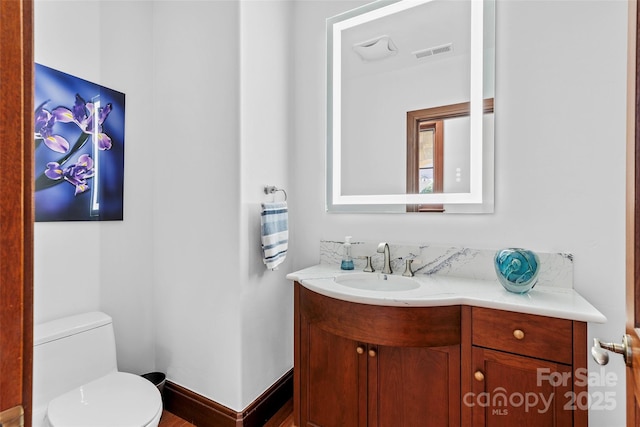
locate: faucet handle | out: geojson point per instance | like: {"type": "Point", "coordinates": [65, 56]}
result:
{"type": "Point", "coordinates": [369, 267]}
{"type": "Point", "coordinates": [408, 272]}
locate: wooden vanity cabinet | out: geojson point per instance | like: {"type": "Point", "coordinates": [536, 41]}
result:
{"type": "Point", "coordinates": [362, 365]}
{"type": "Point", "coordinates": [522, 370]}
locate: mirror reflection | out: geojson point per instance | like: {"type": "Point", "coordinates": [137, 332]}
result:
{"type": "Point", "coordinates": [437, 150]}
{"type": "Point", "coordinates": [386, 60]}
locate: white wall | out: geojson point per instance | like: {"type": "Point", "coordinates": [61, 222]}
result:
{"type": "Point", "coordinates": [267, 297]}
{"type": "Point", "coordinates": [222, 71]}
{"type": "Point", "coordinates": [106, 266]}
{"type": "Point", "coordinates": [560, 178]}
{"type": "Point", "coordinates": [222, 75]}
{"type": "Point", "coordinates": [196, 196]}
{"type": "Point", "coordinates": [126, 274]}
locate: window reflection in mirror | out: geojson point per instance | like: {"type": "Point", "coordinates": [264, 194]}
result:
{"type": "Point", "coordinates": [430, 157]}
{"type": "Point", "coordinates": [424, 162]}
{"type": "Point", "coordinates": [427, 132]}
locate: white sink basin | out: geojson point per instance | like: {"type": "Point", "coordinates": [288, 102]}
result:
{"type": "Point", "coordinates": [377, 282]}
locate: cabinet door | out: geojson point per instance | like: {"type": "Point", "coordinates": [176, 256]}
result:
{"type": "Point", "coordinates": [333, 377]}
{"type": "Point", "coordinates": [416, 386]}
{"type": "Point", "coordinates": [511, 390]}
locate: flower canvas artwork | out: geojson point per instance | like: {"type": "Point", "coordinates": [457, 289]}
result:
{"type": "Point", "coordinates": [79, 149]}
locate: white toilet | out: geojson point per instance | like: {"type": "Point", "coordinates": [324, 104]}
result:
{"type": "Point", "coordinates": [76, 382]}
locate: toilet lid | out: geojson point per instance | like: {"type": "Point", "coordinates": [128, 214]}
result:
{"type": "Point", "coordinates": [118, 399]}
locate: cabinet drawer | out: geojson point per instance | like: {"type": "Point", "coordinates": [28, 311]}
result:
{"type": "Point", "coordinates": [526, 334]}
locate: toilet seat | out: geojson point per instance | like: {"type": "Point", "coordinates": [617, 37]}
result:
{"type": "Point", "coordinates": [118, 399]}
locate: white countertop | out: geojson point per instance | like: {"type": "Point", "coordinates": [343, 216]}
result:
{"type": "Point", "coordinates": [439, 290]}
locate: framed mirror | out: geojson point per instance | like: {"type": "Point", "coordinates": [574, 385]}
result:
{"type": "Point", "coordinates": [387, 59]}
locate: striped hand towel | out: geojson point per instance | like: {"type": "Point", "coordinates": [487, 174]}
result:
{"type": "Point", "coordinates": [275, 233]}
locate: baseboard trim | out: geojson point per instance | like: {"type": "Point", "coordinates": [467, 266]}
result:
{"type": "Point", "coordinates": [205, 412]}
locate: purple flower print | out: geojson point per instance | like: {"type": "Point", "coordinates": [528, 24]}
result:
{"type": "Point", "coordinates": [89, 118]}
{"type": "Point", "coordinates": [82, 114]}
{"type": "Point", "coordinates": [44, 130]}
{"type": "Point", "coordinates": [76, 174]}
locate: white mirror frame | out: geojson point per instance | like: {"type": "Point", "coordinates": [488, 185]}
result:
{"type": "Point", "coordinates": [477, 196]}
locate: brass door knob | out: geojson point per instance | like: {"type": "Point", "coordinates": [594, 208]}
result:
{"type": "Point", "coordinates": [479, 376]}
{"type": "Point", "coordinates": [372, 352]}
{"type": "Point", "coordinates": [360, 349]}
{"type": "Point", "coordinates": [518, 334]}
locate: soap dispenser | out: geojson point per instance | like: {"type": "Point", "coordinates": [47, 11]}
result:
{"type": "Point", "coordinates": [347, 260]}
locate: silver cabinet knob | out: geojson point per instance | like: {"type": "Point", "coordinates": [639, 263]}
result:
{"type": "Point", "coordinates": [600, 355]}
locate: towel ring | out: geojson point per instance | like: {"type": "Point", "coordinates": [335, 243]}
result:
{"type": "Point", "coordinates": [270, 189]}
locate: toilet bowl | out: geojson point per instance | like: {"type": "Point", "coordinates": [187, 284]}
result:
{"type": "Point", "coordinates": [76, 382]}
{"type": "Point", "coordinates": [92, 404]}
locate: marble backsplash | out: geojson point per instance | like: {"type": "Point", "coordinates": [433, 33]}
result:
{"type": "Point", "coordinates": [556, 269]}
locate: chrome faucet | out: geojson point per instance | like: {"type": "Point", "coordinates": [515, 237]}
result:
{"type": "Point", "coordinates": [384, 248]}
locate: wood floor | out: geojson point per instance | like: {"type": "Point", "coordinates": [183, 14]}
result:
{"type": "Point", "coordinates": [170, 420]}
{"type": "Point", "coordinates": [283, 418]}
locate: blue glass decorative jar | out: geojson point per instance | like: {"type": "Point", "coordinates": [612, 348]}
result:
{"type": "Point", "coordinates": [517, 269]}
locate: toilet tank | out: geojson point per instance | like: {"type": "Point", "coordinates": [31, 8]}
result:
{"type": "Point", "coordinates": [70, 352]}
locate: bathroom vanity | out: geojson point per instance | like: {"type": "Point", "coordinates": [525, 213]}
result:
{"type": "Point", "coordinates": [447, 352]}
{"type": "Point", "coordinates": [362, 365]}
